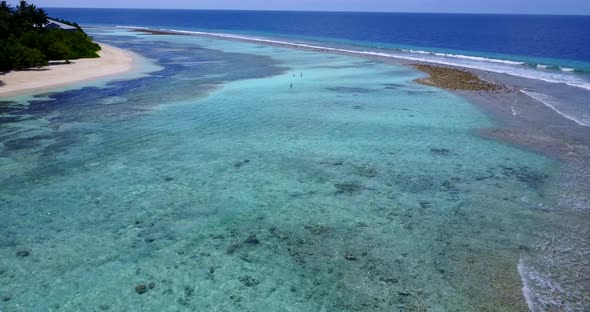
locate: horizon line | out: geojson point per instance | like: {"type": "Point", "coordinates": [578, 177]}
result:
{"type": "Point", "coordinates": [321, 11]}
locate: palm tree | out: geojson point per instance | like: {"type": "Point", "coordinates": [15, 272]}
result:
{"type": "Point", "coordinates": [40, 18]}
{"type": "Point", "coordinates": [30, 16]}
{"type": "Point", "coordinates": [5, 8]}
{"type": "Point", "coordinates": [21, 9]}
{"type": "Point", "coordinates": [5, 19]}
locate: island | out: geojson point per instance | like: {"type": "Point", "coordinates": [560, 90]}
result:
{"type": "Point", "coordinates": [39, 52]}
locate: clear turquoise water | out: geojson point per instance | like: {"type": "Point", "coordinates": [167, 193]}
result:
{"type": "Point", "coordinates": [353, 190]}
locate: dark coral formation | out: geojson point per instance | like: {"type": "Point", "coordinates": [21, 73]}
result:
{"type": "Point", "coordinates": [241, 163]}
{"type": "Point", "coordinates": [252, 240]}
{"type": "Point", "coordinates": [349, 188]}
{"type": "Point", "coordinates": [23, 253]}
{"type": "Point", "coordinates": [440, 151]}
{"type": "Point", "coordinates": [525, 175]}
{"type": "Point", "coordinates": [141, 289]}
{"type": "Point", "coordinates": [454, 79]}
{"type": "Point", "coordinates": [249, 281]}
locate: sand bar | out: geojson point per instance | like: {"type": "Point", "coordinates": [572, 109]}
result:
{"type": "Point", "coordinates": [454, 79]}
{"type": "Point", "coordinates": [113, 61]}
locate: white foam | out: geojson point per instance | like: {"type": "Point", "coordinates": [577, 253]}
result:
{"type": "Point", "coordinates": [132, 27]}
{"type": "Point", "coordinates": [550, 102]}
{"type": "Point", "coordinates": [479, 58]}
{"type": "Point", "coordinates": [461, 56]}
{"type": "Point", "coordinates": [526, 289]}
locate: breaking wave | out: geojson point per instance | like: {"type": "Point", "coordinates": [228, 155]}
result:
{"type": "Point", "coordinates": [568, 112]}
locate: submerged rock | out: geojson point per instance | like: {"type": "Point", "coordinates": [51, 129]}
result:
{"type": "Point", "coordinates": [319, 229]}
{"type": "Point", "coordinates": [366, 171]}
{"type": "Point", "coordinates": [23, 253]}
{"type": "Point", "coordinates": [188, 291]}
{"type": "Point", "coordinates": [241, 163]}
{"type": "Point", "coordinates": [249, 281]}
{"type": "Point", "coordinates": [252, 240]}
{"type": "Point", "coordinates": [424, 204]}
{"type": "Point", "coordinates": [334, 163]}
{"type": "Point", "coordinates": [531, 178]}
{"type": "Point", "coordinates": [141, 289]}
{"type": "Point", "coordinates": [448, 186]}
{"type": "Point", "coordinates": [24, 143]}
{"type": "Point", "coordinates": [184, 301]}
{"type": "Point", "coordinates": [349, 188]}
{"type": "Point", "coordinates": [277, 233]}
{"type": "Point", "coordinates": [235, 298]}
{"type": "Point", "coordinates": [389, 280]}
{"type": "Point", "coordinates": [440, 151]}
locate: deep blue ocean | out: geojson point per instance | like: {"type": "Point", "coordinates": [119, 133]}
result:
{"type": "Point", "coordinates": [534, 39]}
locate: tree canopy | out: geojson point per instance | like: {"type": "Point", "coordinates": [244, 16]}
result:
{"type": "Point", "coordinates": [26, 42]}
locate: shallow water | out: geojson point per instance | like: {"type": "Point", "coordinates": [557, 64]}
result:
{"type": "Point", "coordinates": [230, 190]}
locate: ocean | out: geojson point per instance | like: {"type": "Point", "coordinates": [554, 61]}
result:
{"type": "Point", "coordinates": [555, 49]}
{"type": "Point", "coordinates": [246, 175]}
{"type": "Point", "coordinates": [537, 39]}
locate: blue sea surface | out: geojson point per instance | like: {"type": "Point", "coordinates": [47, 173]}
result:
{"type": "Point", "coordinates": [563, 38]}
{"type": "Point", "coordinates": [242, 176]}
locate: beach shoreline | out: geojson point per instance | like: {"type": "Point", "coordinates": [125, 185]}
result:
{"type": "Point", "coordinates": [112, 62]}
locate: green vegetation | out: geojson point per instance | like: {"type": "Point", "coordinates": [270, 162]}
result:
{"type": "Point", "coordinates": [25, 41]}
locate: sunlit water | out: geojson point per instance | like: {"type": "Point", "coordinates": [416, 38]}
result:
{"type": "Point", "coordinates": [243, 177]}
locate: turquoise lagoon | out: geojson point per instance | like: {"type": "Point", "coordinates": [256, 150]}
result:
{"type": "Point", "coordinates": [243, 177]}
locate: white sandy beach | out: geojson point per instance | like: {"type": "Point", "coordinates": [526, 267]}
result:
{"type": "Point", "coordinates": [112, 61]}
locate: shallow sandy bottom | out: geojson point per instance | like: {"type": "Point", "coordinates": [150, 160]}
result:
{"type": "Point", "coordinates": [112, 61]}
